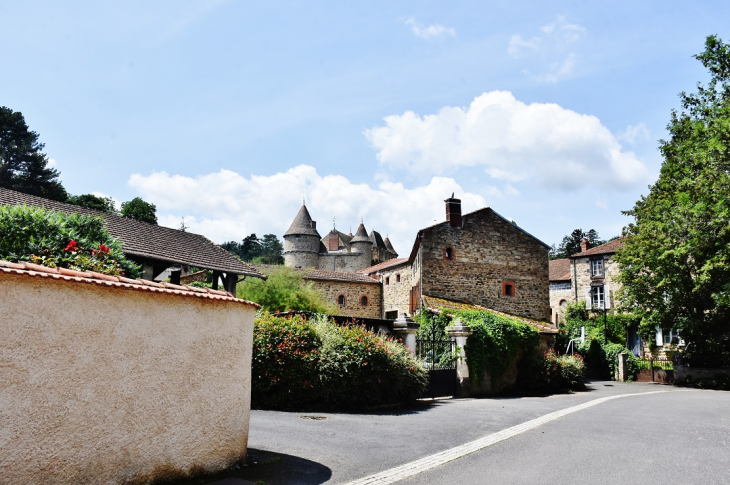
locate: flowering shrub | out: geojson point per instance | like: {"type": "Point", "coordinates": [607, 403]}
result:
{"type": "Point", "coordinates": [549, 372]}
{"type": "Point", "coordinates": [57, 239]}
{"type": "Point", "coordinates": [301, 364]}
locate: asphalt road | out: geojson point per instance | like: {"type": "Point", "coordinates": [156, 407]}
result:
{"type": "Point", "coordinates": [673, 437]}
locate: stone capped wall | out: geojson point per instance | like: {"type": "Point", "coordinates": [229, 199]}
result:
{"type": "Point", "coordinates": [353, 291]}
{"type": "Point", "coordinates": [487, 252]}
{"type": "Point", "coordinates": [396, 294]}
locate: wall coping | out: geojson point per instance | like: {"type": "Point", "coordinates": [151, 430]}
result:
{"type": "Point", "coordinates": [91, 277]}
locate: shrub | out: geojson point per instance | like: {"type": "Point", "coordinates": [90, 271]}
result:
{"type": "Point", "coordinates": [496, 341]}
{"type": "Point", "coordinates": [57, 239]}
{"type": "Point", "coordinates": [283, 290]}
{"type": "Point", "coordinates": [547, 372]}
{"type": "Point", "coordinates": [602, 359]}
{"type": "Point", "coordinates": [300, 364]}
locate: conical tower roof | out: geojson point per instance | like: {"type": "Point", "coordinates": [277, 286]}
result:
{"type": "Point", "coordinates": [361, 235]}
{"type": "Point", "coordinates": [302, 224]}
{"type": "Point", "coordinates": [389, 245]}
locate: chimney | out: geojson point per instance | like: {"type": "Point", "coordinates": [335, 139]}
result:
{"type": "Point", "coordinates": [314, 225]}
{"type": "Point", "coordinates": [333, 243]}
{"type": "Point", "coordinates": [453, 211]}
{"type": "Point", "coordinates": [585, 245]}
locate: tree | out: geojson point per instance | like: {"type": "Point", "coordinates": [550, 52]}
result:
{"type": "Point", "coordinates": [268, 250]}
{"type": "Point", "coordinates": [139, 210]}
{"type": "Point", "coordinates": [272, 250]}
{"type": "Point", "coordinates": [570, 244]}
{"type": "Point", "coordinates": [90, 201]}
{"type": "Point", "coordinates": [675, 263]}
{"type": "Point", "coordinates": [23, 165]}
{"type": "Point", "coordinates": [284, 289]}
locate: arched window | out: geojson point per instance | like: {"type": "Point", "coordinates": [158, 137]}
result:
{"type": "Point", "coordinates": [449, 253]}
{"type": "Point", "coordinates": [364, 300]}
{"type": "Point", "coordinates": [563, 303]}
{"type": "Point", "coordinates": [341, 300]}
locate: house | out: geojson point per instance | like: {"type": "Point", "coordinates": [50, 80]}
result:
{"type": "Point", "coordinates": [155, 248]}
{"type": "Point", "coordinates": [560, 288]}
{"type": "Point", "coordinates": [336, 251]}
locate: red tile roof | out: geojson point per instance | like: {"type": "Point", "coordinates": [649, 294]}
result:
{"type": "Point", "coordinates": [608, 248]}
{"type": "Point", "coordinates": [148, 240]}
{"type": "Point", "coordinates": [560, 270]}
{"type": "Point", "coordinates": [384, 265]}
{"type": "Point", "coordinates": [91, 277]}
{"type": "Point", "coordinates": [318, 274]}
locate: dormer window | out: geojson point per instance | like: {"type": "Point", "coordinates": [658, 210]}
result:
{"type": "Point", "coordinates": [449, 253]}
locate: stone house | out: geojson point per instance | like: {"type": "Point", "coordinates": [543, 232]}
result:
{"type": "Point", "coordinates": [336, 251]}
{"type": "Point", "coordinates": [395, 278]}
{"type": "Point", "coordinates": [560, 288]}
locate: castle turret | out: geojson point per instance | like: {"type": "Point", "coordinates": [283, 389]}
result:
{"type": "Point", "coordinates": [301, 241]}
{"type": "Point", "coordinates": [362, 244]}
{"type": "Point", "coordinates": [389, 247]}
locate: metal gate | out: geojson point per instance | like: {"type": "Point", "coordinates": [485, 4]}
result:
{"type": "Point", "coordinates": [439, 357]}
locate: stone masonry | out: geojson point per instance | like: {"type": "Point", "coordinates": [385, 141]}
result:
{"type": "Point", "coordinates": [353, 291]}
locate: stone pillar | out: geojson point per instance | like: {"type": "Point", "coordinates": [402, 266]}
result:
{"type": "Point", "coordinates": [405, 328]}
{"type": "Point", "coordinates": [461, 333]}
{"type": "Point", "coordinates": [623, 367]}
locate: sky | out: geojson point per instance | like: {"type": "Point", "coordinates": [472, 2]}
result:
{"type": "Point", "coordinates": [229, 113]}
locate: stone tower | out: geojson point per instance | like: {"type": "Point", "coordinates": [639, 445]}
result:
{"type": "Point", "coordinates": [302, 241]}
{"type": "Point", "coordinates": [362, 243]}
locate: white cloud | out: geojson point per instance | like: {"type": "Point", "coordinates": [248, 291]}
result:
{"type": "Point", "coordinates": [555, 147]}
{"type": "Point", "coordinates": [552, 53]}
{"type": "Point", "coordinates": [634, 133]}
{"type": "Point", "coordinates": [228, 206]}
{"type": "Point", "coordinates": [430, 31]}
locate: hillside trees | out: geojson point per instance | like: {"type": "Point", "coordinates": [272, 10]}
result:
{"type": "Point", "coordinates": [675, 263]}
{"type": "Point", "coordinates": [139, 210]}
{"type": "Point", "coordinates": [268, 250]}
{"type": "Point", "coordinates": [90, 201]}
{"type": "Point", "coordinates": [570, 244]}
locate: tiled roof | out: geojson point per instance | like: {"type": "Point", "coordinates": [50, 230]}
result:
{"type": "Point", "coordinates": [361, 235]}
{"type": "Point", "coordinates": [90, 277]}
{"type": "Point", "coordinates": [385, 264]}
{"type": "Point", "coordinates": [302, 224]}
{"type": "Point", "coordinates": [608, 248]}
{"type": "Point", "coordinates": [148, 240]}
{"type": "Point", "coordinates": [436, 304]}
{"type": "Point", "coordinates": [318, 274]}
{"type": "Point", "coordinates": [560, 270]}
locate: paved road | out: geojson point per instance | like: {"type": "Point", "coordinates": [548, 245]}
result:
{"type": "Point", "coordinates": [674, 437]}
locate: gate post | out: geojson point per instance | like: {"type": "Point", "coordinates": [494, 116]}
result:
{"type": "Point", "coordinates": [623, 367]}
{"type": "Point", "coordinates": [460, 333]}
{"type": "Point", "coordinates": [405, 328]}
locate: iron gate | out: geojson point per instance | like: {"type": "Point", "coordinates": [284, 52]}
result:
{"type": "Point", "coordinates": [439, 357]}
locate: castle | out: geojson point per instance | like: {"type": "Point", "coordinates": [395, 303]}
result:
{"type": "Point", "coordinates": [337, 251]}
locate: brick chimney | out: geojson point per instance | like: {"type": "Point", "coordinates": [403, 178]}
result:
{"type": "Point", "coordinates": [585, 245]}
{"type": "Point", "coordinates": [453, 211]}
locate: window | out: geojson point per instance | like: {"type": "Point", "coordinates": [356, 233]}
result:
{"type": "Point", "coordinates": [387, 280]}
{"type": "Point", "coordinates": [341, 300]}
{"type": "Point", "coordinates": [597, 268]}
{"type": "Point", "coordinates": [397, 278]}
{"type": "Point", "coordinates": [508, 288]}
{"type": "Point", "coordinates": [563, 304]}
{"type": "Point", "coordinates": [597, 296]}
{"type": "Point", "coordinates": [391, 315]}
{"type": "Point", "coordinates": [448, 253]}
{"type": "Point", "coordinates": [363, 301]}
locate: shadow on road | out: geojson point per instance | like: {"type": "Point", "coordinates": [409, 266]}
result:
{"type": "Point", "coordinates": [269, 468]}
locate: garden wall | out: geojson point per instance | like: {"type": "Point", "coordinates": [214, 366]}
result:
{"type": "Point", "coordinates": [105, 381]}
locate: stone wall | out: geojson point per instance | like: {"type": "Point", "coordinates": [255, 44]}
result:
{"type": "Point", "coordinates": [582, 278]}
{"type": "Point", "coordinates": [487, 253]}
{"type": "Point", "coordinates": [353, 292]}
{"type": "Point", "coordinates": [559, 292]}
{"type": "Point", "coordinates": [343, 262]}
{"type": "Point", "coordinates": [396, 293]}
{"type": "Point", "coordinates": [106, 384]}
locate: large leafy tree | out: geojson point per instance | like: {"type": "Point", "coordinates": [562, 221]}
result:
{"type": "Point", "coordinates": [268, 250]}
{"type": "Point", "coordinates": [675, 263]}
{"type": "Point", "coordinates": [571, 243]}
{"type": "Point", "coordinates": [23, 165]}
{"type": "Point", "coordinates": [139, 210]}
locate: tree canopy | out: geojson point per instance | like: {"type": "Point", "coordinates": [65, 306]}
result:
{"type": "Point", "coordinates": [91, 201]}
{"type": "Point", "coordinates": [268, 250]}
{"type": "Point", "coordinates": [23, 165]}
{"type": "Point", "coordinates": [570, 244]}
{"type": "Point", "coordinates": [675, 263]}
{"type": "Point", "coordinates": [139, 210]}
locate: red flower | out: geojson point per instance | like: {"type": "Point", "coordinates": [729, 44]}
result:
{"type": "Point", "coordinates": [93, 253]}
{"type": "Point", "coordinates": [71, 246]}
{"type": "Point", "coordinates": [103, 249]}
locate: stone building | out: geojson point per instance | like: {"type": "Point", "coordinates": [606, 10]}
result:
{"type": "Point", "coordinates": [560, 288]}
{"type": "Point", "coordinates": [479, 258]}
{"type": "Point", "coordinates": [336, 251]}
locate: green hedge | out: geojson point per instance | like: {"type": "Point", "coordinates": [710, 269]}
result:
{"type": "Point", "coordinates": [301, 364]}
{"type": "Point", "coordinates": [602, 359]}
{"type": "Point", "coordinates": [57, 239]}
{"type": "Point", "coordinates": [496, 341]}
{"type": "Point", "coordinates": [547, 372]}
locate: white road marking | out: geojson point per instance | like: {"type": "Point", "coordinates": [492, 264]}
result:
{"type": "Point", "coordinates": [432, 461]}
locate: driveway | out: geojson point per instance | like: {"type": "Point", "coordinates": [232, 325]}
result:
{"type": "Point", "coordinates": [632, 438]}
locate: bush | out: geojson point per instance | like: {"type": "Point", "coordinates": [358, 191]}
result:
{"type": "Point", "coordinates": [547, 372]}
{"type": "Point", "coordinates": [496, 341]}
{"type": "Point", "coordinates": [300, 364]}
{"type": "Point", "coordinates": [602, 359]}
{"type": "Point", "coordinates": [57, 239]}
{"type": "Point", "coordinates": [283, 290]}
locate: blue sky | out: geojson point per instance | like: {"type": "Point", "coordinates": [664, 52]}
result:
{"type": "Point", "coordinates": [229, 113]}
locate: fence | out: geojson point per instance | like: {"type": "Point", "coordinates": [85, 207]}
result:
{"type": "Point", "coordinates": [656, 370]}
{"type": "Point", "coordinates": [439, 357]}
